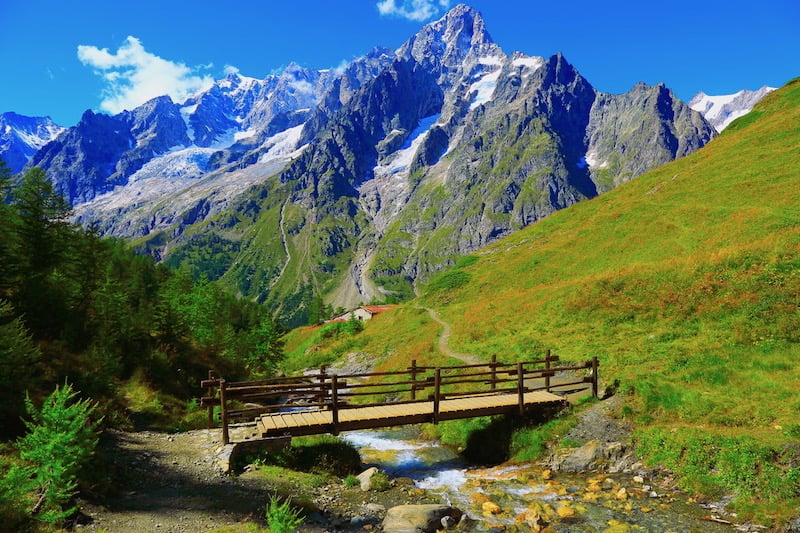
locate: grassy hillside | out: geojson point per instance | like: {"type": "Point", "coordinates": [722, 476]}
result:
{"type": "Point", "coordinates": [685, 283]}
{"type": "Point", "coordinates": [687, 278]}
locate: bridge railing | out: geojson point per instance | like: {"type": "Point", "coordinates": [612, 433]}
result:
{"type": "Point", "coordinates": [239, 400]}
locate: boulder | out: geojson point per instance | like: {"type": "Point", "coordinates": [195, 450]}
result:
{"type": "Point", "coordinates": [365, 478]}
{"type": "Point", "coordinates": [593, 455]}
{"type": "Point", "coordinates": [577, 459]}
{"type": "Point", "coordinates": [419, 518]}
{"type": "Point", "coordinates": [490, 508]}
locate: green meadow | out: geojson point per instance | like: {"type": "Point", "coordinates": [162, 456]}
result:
{"type": "Point", "coordinates": [684, 282]}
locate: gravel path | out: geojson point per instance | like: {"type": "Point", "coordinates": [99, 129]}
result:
{"type": "Point", "coordinates": [444, 341]}
{"type": "Point", "coordinates": [171, 483]}
{"type": "Point", "coordinates": [166, 482]}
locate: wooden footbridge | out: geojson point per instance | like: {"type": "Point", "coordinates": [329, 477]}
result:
{"type": "Point", "coordinates": [325, 402]}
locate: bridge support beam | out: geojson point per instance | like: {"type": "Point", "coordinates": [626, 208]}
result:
{"type": "Point", "coordinates": [437, 391]}
{"type": "Point", "coordinates": [226, 439]}
{"type": "Point", "coordinates": [521, 388]}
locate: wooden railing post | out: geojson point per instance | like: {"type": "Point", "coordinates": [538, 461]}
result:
{"type": "Point", "coordinates": [437, 382]}
{"type": "Point", "coordinates": [521, 387]}
{"type": "Point", "coordinates": [211, 392]}
{"type": "Point", "coordinates": [595, 377]}
{"type": "Point", "coordinates": [547, 371]}
{"type": "Point", "coordinates": [335, 403]}
{"type": "Point", "coordinates": [223, 413]}
{"type": "Point", "coordinates": [323, 394]}
{"type": "Point", "coordinates": [413, 371]}
{"type": "Point", "coordinates": [493, 366]}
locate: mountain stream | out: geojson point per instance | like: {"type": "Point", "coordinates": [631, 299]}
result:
{"type": "Point", "coordinates": [525, 497]}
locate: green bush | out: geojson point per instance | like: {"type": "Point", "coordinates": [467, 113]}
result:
{"type": "Point", "coordinates": [318, 454]}
{"type": "Point", "coordinates": [60, 441]}
{"type": "Point", "coordinates": [19, 356]}
{"type": "Point", "coordinates": [531, 443]}
{"type": "Point", "coordinates": [335, 330]}
{"type": "Point", "coordinates": [281, 517]}
{"type": "Point", "coordinates": [15, 500]}
{"type": "Point", "coordinates": [380, 481]}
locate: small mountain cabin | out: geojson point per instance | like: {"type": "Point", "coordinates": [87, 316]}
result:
{"type": "Point", "coordinates": [362, 312]}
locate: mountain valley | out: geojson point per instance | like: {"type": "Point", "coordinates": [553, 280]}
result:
{"type": "Point", "coordinates": [313, 190]}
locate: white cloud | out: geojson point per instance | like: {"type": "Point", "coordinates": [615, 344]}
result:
{"type": "Point", "coordinates": [417, 10]}
{"type": "Point", "coordinates": [341, 67]}
{"type": "Point", "coordinates": [133, 76]}
{"type": "Point", "coordinates": [302, 87]}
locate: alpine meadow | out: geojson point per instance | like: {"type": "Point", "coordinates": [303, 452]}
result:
{"type": "Point", "coordinates": [443, 286]}
{"type": "Point", "coordinates": [684, 282]}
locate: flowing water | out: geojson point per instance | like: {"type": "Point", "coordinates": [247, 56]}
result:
{"type": "Point", "coordinates": [519, 497]}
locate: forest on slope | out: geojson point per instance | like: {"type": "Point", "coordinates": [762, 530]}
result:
{"type": "Point", "coordinates": [87, 311]}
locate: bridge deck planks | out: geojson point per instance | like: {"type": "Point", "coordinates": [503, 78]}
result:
{"type": "Point", "coordinates": [321, 421]}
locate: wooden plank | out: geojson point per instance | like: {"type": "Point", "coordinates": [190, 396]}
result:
{"type": "Point", "coordinates": [282, 421]}
{"type": "Point", "coordinates": [300, 418]}
{"type": "Point", "coordinates": [269, 422]}
{"type": "Point", "coordinates": [320, 417]}
{"type": "Point", "coordinates": [389, 411]}
{"type": "Point", "coordinates": [318, 421]}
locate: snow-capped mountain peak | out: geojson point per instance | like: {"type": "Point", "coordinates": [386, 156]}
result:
{"type": "Point", "coordinates": [452, 45]}
{"type": "Point", "coordinates": [21, 137]}
{"type": "Point", "coordinates": [721, 110]}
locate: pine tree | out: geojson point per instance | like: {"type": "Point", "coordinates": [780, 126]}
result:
{"type": "Point", "coordinates": [60, 441]}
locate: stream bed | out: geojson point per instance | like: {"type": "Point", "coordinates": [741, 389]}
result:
{"type": "Point", "coordinates": [526, 497]}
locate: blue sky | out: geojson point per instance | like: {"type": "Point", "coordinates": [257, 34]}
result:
{"type": "Point", "coordinates": [61, 57]}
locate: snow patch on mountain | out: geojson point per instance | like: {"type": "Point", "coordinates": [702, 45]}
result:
{"type": "Point", "coordinates": [400, 160]}
{"type": "Point", "coordinates": [590, 160]}
{"type": "Point", "coordinates": [168, 186]}
{"type": "Point", "coordinates": [22, 136]}
{"type": "Point", "coordinates": [385, 195]}
{"type": "Point", "coordinates": [240, 84]}
{"type": "Point", "coordinates": [721, 110]}
{"type": "Point", "coordinates": [38, 139]}
{"type": "Point", "coordinates": [186, 113]}
{"type": "Point", "coordinates": [227, 139]}
{"type": "Point", "coordinates": [492, 60]}
{"type": "Point", "coordinates": [239, 135]}
{"type": "Point", "coordinates": [283, 144]}
{"type": "Point", "coordinates": [528, 65]}
{"type": "Point", "coordinates": [484, 88]}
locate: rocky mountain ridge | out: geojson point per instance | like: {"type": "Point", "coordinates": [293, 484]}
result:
{"type": "Point", "coordinates": [21, 137]}
{"type": "Point", "coordinates": [353, 185]}
{"type": "Point", "coordinates": [721, 110]}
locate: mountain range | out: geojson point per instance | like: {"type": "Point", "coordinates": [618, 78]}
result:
{"type": "Point", "coordinates": [328, 188]}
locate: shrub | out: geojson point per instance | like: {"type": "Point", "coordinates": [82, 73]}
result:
{"type": "Point", "coordinates": [318, 454]}
{"type": "Point", "coordinates": [15, 489]}
{"type": "Point", "coordinates": [281, 517]}
{"type": "Point", "coordinates": [334, 330]}
{"type": "Point", "coordinates": [61, 439]}
{"type": "Point", "coordinates": [19, 356]}
{"type": "Point", "coordinates": [380, 481]}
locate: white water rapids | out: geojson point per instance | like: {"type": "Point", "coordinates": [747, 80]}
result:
{"type": "Point", "coordinates": [518, 489]}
